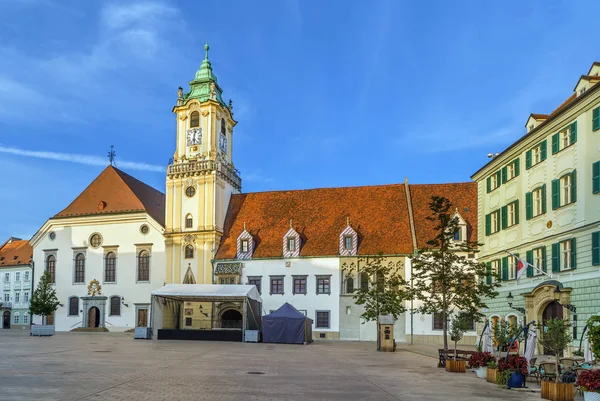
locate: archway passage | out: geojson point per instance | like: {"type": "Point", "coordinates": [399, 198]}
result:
{"type": "Point", "coordinates": [6, 320]}
{"type": "Point", "coordinates": [552, 311]}
{"type": "Point", "coordinates": [231, 319]}
{"type": "Point", "coordinates": [93, 317]}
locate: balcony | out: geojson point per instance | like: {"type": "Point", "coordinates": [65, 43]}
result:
{"type": "Point", "coordinates": [203, 167]}
{"type": "Point", "coordinates": [5, 305]}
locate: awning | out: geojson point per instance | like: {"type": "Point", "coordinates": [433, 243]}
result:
{"type": "Point", "coordinates": [208, 292]}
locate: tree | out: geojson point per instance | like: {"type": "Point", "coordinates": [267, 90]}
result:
{"type": "Point", "coordinates": [43, 301]}
{"type": "Point", "coordinates": [555, 338]}
{"type": "Point", "coordinates": [503, 333]}
{"type": "Point", "coordinates": [593, 335]}
{"type": "Point", "coordinates": [458, 326]}
{"type": "Point", "coordinates": [443, 279]}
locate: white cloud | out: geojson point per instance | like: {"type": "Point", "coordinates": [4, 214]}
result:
{"type": "Point", "coordinates": [80, 159]}
{"type": "Point", "coordinates": [256, 177]}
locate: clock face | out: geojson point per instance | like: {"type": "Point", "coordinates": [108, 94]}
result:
{"type": "Point", "coordinates": [223, 143]}
{"type": "Point", "coordinates": [194, 136]}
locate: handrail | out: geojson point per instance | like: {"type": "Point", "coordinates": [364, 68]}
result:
{"type": "Point", "coordinates": [81, 322]}
{"type": "Point", "coordinates": [106, 321]}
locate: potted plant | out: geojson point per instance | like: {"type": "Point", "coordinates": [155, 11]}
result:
{"type": "Point", "coordinates": [556, 337]}
{"type": "Point", "coordinates": [513, 371]}
{"type": "Point", "coordinates": [593, 335]}
{"type": "Point", "coordinates": [491, 372]}
{"type": "Point", "coordinates": [503, 332]}
{"type": "Point", "coordinates": [589, 382]}
{"type": "Point", "coordinates": [458, 326]}
{"type": "Point", "coordinates": [479, 362]}
{"type": "Point", "coordinates": [43, 302]}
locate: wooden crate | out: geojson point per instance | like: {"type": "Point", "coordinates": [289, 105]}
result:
{"type": "Point", "coordinates": [558, 391]}
{"type": "Point", "coordinates": [456, 366]}
{"type": "Point", "coordinates": [490, 375]}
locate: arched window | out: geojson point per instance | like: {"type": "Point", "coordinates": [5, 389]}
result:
{"type": "Point", "coordinates": [110, 268]}
{"type": "Point", "coordinates": [80, 268]}
{"type": "Point", "coordinates": [143, 266]}
{"type": "Point", "coordinates": [115, 305]}
{"type": "Point", "coordinates": [189, 252]}
{"type": "Point", "coordinates": [16, 318]}
{"type": "Point", "coordinates": [51, 267]}
{"type": "Point", "coordinates": [349, 285]}
{"type": "Point", "coordinates": [223, 130]}
{"type": "Point", "coordinates": [73, 306]}
{"type": "Point", "coordinates": [364, 281]}
{"type": "Point", "coordinates": [189, 221]}
{"type": "Point", "coordinates": [194, 119]}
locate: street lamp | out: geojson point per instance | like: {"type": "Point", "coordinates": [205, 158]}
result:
{"type": "Point", "coordinates": [510, 298]}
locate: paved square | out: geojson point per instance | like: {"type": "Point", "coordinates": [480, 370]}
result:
{"type": "Point", "coordinates": [114, 366]}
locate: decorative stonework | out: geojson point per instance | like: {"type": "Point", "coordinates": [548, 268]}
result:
{"type": "Point", "coordinates": [228, 268]}
{"type": "Point", "coordinates": [193, 106]}
{"type": "Point", "coordinates": [190, 183]}
{"type": "Point", "coordinates": [205, 113]}
{"type": "Point", "coordinates": [94, 288]}
{"type": "Point", "coordinates": [189, 239]}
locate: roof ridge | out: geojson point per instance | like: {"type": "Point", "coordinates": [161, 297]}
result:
{"type": "Point", "coordinates": [322, 188]}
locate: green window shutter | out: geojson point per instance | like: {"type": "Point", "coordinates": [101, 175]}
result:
{"type": "Point", "coordinates": [504, 217]}
{"type": "Point", "coordinates": [596, 248]}
{"type": "Point", "coordinates": [573, 253]}
{"type": "Point", "coordinates": [517, 211]}
{"type": "Point", "coordinates": [596, 177]}
{"type": "Point", "coordinates": [574, 186]}
{"type": "Point", "coordinates": [505, 268]}
{"type": "Point", "coordinates": [488, 224]}
{"type": "Point", "coordinates": [489, 184]}
{"type": "Point", "coordinates": [596, 119]}
{"type": "Point", "coordinates": [529, 258]}
{"type": "Point", "coordinates": [528, 205]}
{"type": "Point", "coordinates": [544, 264]}
{"type": "Point", "coordinates": [554, 143]}
{"type": "Point", "coordinates": [543, 198]}
{"type": "Point", "coordinates": [555, 194]}
{"type": "Point", "coordinates": [574, 132]}
{"type": "Point", "coordinates": [488, 276]}
{"type": "Point", "coordinates": [528, 159]}
{"type": "Point", "coordinates": [517, 166]}
{"type": "Point", "coordinates": [504, 174]}
{"type": "Point", "coordinates": [556, 257]}
{"type": "Point", "coordinates": [499, 177]}
{"type": "Point", "coordinates": [544, 150]}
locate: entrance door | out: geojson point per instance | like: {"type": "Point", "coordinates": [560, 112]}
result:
{"type": "Point", "coordinates": [142, 318]}
{"type": "Point", "coordinates": [93, 317]}
{"type": "Point", "coordinates": [6, 320]}
{"type": "Point", "coordinates": [553, 311]}
{"type": "Point", "coordinates": [231, 319]}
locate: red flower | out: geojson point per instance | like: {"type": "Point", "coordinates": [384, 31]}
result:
{"type": "Point", "coordinates": [514, 363]}
{"type": "Point", "coordinates": [480, 359]}
{"type": "Point", "coordinates": [589, 380]}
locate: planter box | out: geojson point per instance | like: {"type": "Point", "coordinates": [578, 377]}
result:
{"type": "Point", "coordinates": [558, 391]}
{"type": "Point", "coordinates": [144, 333]}
{"type": "Point", "coordinates": [491, 374]}
{"type": "Point", "coordinates": [42, 330]}
{"type": "Point", "coordinates": [591, 396]}
{"type": "Point", "coordinates": [456, 366]}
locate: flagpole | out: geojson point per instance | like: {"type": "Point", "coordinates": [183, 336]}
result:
{"type": "Point", "coordinates": [529, 264]}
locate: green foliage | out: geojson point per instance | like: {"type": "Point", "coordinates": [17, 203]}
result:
{"type": "Point", "coordinates": [502, 378]}
{"type": "Point", "coordinates": [556, 337]}
{"type": "Point", "coordinates": [593, 335]}
{"type": "Point", "coordinates": [385, 294]}
{"type": "Point", "coordinates": [503, 333]}
{"type": "Point", "coordinates": [43, 300]}
{"type": "Point", "coordinates": [444, 279]}
{"type": "Point", "coordinates": [460, 323]}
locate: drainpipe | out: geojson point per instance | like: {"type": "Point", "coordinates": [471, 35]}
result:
{"type": "Point", "coordinates": [32, 281]}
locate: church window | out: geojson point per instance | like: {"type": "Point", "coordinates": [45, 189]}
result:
{"type": "Point", "coordinates": [189, 252]}
{"type": "Point", "coordinates": [115, 305]}
{"type": "Point", "coordinates": [73, 306]}
{"type": "Point", "coordinates": [143, 266]}
{"type": "Point", "coordinates": [194, 119]}
{"type": "Point", "coordinates": [245, 245]}
{"type": "Point", "coordinates": [190, 191]}
{"type": "Point", "coordinates": [110, 267]}
{"type": "Point", "coordinates": [189, 221]}
{"type": "Point", "coordinates": [349, 285]}
{"type": "Point", "coordinates": [95, 240]}
{"type": "Point", "coordinates": [79, 268]}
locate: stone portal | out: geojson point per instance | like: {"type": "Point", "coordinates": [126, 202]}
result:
{"type": "Point", "coordinates": [94, 311]}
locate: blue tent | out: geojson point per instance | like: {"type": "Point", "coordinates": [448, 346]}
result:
{"type": "Point", "coordinates": [286, 325]}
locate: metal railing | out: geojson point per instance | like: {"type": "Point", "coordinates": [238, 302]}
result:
{"type": "Point", "coordinates": [203, 167]}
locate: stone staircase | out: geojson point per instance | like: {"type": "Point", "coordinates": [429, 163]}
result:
{"type": "Point", "coordinates": [90, 329]}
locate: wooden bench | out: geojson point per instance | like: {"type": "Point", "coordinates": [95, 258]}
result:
{"type": "Point", "coordinates": [461, 355]}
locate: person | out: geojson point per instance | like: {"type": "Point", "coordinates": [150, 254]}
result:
{"type": "Point", "coordinates": [515, 347]}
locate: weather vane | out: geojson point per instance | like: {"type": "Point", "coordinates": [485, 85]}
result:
{"type": "Point", "coordinates": [111, 156]}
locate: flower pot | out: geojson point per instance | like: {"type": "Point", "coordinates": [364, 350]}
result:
{"type": "Point", "coordinates": [558, 391]}
{"type": "Point", "coordinates": [456, 366]}
{"type": "Point", "coordinates": [591, 396]}
{"type": "Point", "coordinates": [42, 330]}
{"type": "Point", "coordinates": [516, 380]}
{"type": "Point", "coordinates": [491, 375]}
{"type": "Point", "coordinates": [481, 372]}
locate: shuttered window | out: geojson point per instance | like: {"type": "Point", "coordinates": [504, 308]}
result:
{"type": "Point", "coordinates": [565, 138]}
{"type": "Point", "coordinates": [535, 202]}
{"type": "Point", "coordinates": [596, 119]}
{"type": "Point", "coordinates": [564, 190]}
{"type": "Point", "coordinates": [596, 177]}
{"type": "Point", "coordinates": [596, 248]}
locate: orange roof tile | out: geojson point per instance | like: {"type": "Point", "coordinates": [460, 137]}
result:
{"type": "Point", "coordinates": [15, 252]}
{"type": "Point", "coordinates": [115, 191]}
{"type": "Point", "coordinates": [539, 116]}
{"type": "Point", "coordinates": [564, 104]}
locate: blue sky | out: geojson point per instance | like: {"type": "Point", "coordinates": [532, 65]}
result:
{"type": "Point", "coordinates": [327, 93]}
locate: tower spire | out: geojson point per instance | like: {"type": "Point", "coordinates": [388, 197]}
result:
{"type": "Point", "coordinates": [206, 48]}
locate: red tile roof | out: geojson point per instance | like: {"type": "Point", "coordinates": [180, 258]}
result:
{"type": "Point", "coordinates": [115, 191]}
{"type": "Point", "coordinates": [539, 116]}
{"type": "Point", "coordinates": [378, 213]}
{"type": "Point", "coordinates": [15, 252]}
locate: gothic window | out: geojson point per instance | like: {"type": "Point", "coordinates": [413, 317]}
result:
{"type": "Point", "coordinates": [79, 268]}
{"type": "Point", "coordinates": [189, 252]}
{"type": "Point", "coordinates": [115, 305]}
{"type": "Point", "coordinates": [223, 131]}
{"type": "Point", "coordinates": [189, 221]}
{"type": "Point", "coordinates": [349, 285]}
{"type": "Point", "coordinates": [73, 306]}
{"type": "Point", "coordinates": [110, 267]}
{"type": "Point", "coordinates": [194, 119]}
{"type": "Point", "coordinates": [51, 267]}
{"type": "Point", "coordinates": [143, 266]}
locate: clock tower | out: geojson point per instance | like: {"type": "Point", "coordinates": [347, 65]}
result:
{"type": "Point", "coordinates": [200, 178]}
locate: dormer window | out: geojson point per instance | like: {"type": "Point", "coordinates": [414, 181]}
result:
{"type": "Point", "coordinates": [291, 243]}
{"type": "Point", "coordinates": [457, 235]}
{"type": "Point", "coordinates": [245, 245]}
{"type": "Point", "coordinates": [194, 119]}
{"type": "Point", "coordinates": [348, 241]}
{"type": "Point", "coordinates": [460, 233]}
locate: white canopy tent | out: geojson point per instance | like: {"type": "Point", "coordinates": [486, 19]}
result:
{"type": "Point", "coordinates": [208, 292]}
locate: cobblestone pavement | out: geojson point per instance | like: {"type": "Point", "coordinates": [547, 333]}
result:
{"type": "Point", "coordinates": [114, 366]}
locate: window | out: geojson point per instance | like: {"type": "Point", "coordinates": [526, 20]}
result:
{"type": "Point", "coordinates": [291, 244]}
{"type": "Point", "coordinates": [189, 252]}
{"type": "Point", "coordinates": [322, 321]}
{"type": "Point", "coordinates": [79, 268]}
{"type": "Point", "coordinates": [194, 119]}
{"type": "Point", "coordinates": [596, 248]}
{"type": "Point", "coordinates": [438, 321]}
{"type": "Point", "coordinates": [26, 296]}
{"type": "Point", "coordinates": [564, 255]}
{"type": "Point", "coordinates": [18, 276]}
{"type": "Point", "coordinates": [17, 297]}
{"type": "Point", "coordinates": [189, 221]}
{"type": "Point", "coordinates": [244, 245]}
{"type": "Point", "coordinates": [510, 214]}
{"type": "Point", "coordinates": [564, 190]}
{"type": "Point", "coordinates": [26, 276]}
{"type": "Point", "coordinates": [115, 306]}
{"type": "Point", "coordinates": [364, 281]}
{"type": "Point", "coordinates": [190, 191]}
{"type": "Point", "coordinates": [303, 311]}
{"type": "Point", "coordinates": [223, 130]}
{"type": "Point", "coordinates": [492, 222]}
{"type": "Point", "coordinates": [16, 318]}
{"type": "Point", "coordinates": [276, 284]}
{"type": "Point", "coordinates": [348, 242]}
{"type": "Point", "coordinates": [565, 251]}
{"type": "Point", "coordinates": [255, 281]}
{"type": "Point", "coordinates": [538, 201]}
{"type": "Point", "coordinates": [7, 277]}
{"type": "Point", "coordinates": [323, 284]}
{"type": "Point", "coordinates": [51, 267]}
{"type": "Point", "coordinates": [564, 138]}
{"type": "Point", "coordinates": [95, 240]}
{"type": "Point", "coordinates": [457, 236]}
{"type": "Point", "coordinates": [110, 266]}
{"type": "Point", "coordinates": [492, 271]}
{"type": "Point", "coordinates": [596, 177]}
{"type": "Point", "coordinates": [227, 280]}
{"type": "Point", "coordinates": [73, 306]}
{"type": "Point", "coordinates": [299, 285]}
{"type": "Point", "coordinates": [596, 119]}
{"type": "Point", "coordinates": [494, 181]}
{"type": "Point", "coordinates": [512, 268]}
{"type": "Point", "coordinates": [6, 297]}
{"type": "Point", "coordinates": [188, 321]}
{"type": "Point", "coordinates": [25, 318]}
{"type": "Point", "coordinates": [349, 285]}
{"type": "Point", "coordinates": [535, 155]}
{"type": "Point", "coordinates": [143, 266]}
{"type": "Point", "coordinates": [510, 171]}
{"type": "Point", "coordinates": [539, 256]}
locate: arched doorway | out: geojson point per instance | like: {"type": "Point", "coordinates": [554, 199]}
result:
{"type": "Point", "coordinates": [6, 320]}
{"type": "Point", "coordinates": [231, 319]}
{"type": "Point", "coordinates": [552, 311]}
{"type": "Point", "coordinates": [93, 317]}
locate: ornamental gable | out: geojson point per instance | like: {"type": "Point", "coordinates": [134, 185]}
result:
{"type": "Point", "coordinates": [291, 243]}
{"type": "Point", "coordinates": [348, 241]}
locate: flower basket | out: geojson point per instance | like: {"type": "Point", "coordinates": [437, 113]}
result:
{"type": "Point", "coordinates": [456, 366]}
{"type": "Point", "coordinates": [518, 368]}
{"type": "Point", "coordinates": [589, 382]}
{"type": "Point", "coordinates": [558, 391]}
